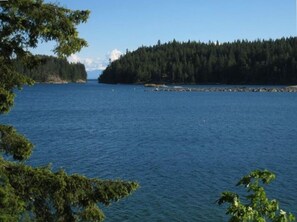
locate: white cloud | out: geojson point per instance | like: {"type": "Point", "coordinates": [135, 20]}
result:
{"type": "Point", "coordinates": [73, 58]}
{"type": "Point", "coordinates": [96, 63]}
{"type": "Point", "coordinates": [90, 63]}
{"type": "Point", "coordinates": [114, 55]}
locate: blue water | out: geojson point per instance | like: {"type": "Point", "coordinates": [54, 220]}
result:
{"type": "Point", "coordinates": [184, 148]}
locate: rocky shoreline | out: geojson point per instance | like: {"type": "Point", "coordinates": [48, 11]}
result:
{"type": "Point", "coordinates": [55, 79]}
{"type": "Point", "coordinates": [79, 81]}
{"type": "Point", "coordinates": [290, 89]}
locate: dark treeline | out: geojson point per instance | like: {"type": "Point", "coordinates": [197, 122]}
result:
{"type": "Point", "coordinates": [54, 69]}
{"type": "Point", "coordinates": [239, 62]}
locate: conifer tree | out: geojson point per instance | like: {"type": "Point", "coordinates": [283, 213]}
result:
{"type": "Point", "coordinates": [239, 62]}
{"type": "Point", "coordinates": [26, 192]}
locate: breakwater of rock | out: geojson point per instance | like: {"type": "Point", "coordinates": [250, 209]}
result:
{"type": "Point", "coordinates": [226, 89]}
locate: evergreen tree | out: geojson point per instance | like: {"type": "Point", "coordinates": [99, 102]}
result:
{"type": "Point", "coordinates": [240, 62]}
{"type": "Point", "coordinates": [38, 193]}
{"type": "Point", "coordinates": [53, 68]}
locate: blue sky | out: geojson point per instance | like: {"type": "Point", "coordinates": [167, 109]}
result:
{"type": "Point", "coordinates": [117, 25]}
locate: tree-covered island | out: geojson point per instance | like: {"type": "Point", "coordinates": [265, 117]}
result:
{"type": "Point", "coordinates": [53, 70]}
{"type": "Point", "coordinates": [239, 62]}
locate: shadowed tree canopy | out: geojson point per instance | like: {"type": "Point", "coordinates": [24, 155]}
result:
{"type": "Point", "coordinates": [53, 69]}
{"type": "Point", "coordinates": [39, 194]}
{"type": "Point", "coordinates": [239, 62]}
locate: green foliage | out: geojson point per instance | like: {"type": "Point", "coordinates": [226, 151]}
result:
{"type": "Point", "coordinates": [38, 193]}
{"type": "Point", "coordinates": [11, 206]}
{"type": "Point", "coordinates": [9, 80]}
{"type": "Point", "coordinates": [53, 68]}
{"type": "Point", "coordinates": [240, 62]}
{"type": "Point", "coordinates": [25, 22]}
{"type": "Point", "coordinates": [73, 197]}
{"type": "Point", "coordinates": [256, 207]}
{"type": "Point", "coordinates": [14, 143]}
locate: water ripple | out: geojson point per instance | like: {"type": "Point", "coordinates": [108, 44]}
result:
{"type": "Point", "coordinates": [183, 148]}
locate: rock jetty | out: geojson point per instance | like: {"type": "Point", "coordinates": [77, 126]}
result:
{"type": "Point", "coordinates": [226, 89]}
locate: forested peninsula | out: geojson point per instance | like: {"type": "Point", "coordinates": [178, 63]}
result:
{"type": "Point", "coordinates": [53, 70]}
{"type": "Point", "coordinates": [239, 62]}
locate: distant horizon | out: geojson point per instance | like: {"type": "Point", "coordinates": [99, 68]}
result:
{"type": "Point", "coordinates": [94, 74]}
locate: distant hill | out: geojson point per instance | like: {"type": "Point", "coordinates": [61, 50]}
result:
{"type": "Point", "coordinates": [239, 62]}
{"type": "Point", "coordinates": [54, 70]}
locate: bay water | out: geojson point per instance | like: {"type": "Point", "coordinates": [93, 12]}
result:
{"type": "Point", "coordinates": [184, 148]}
